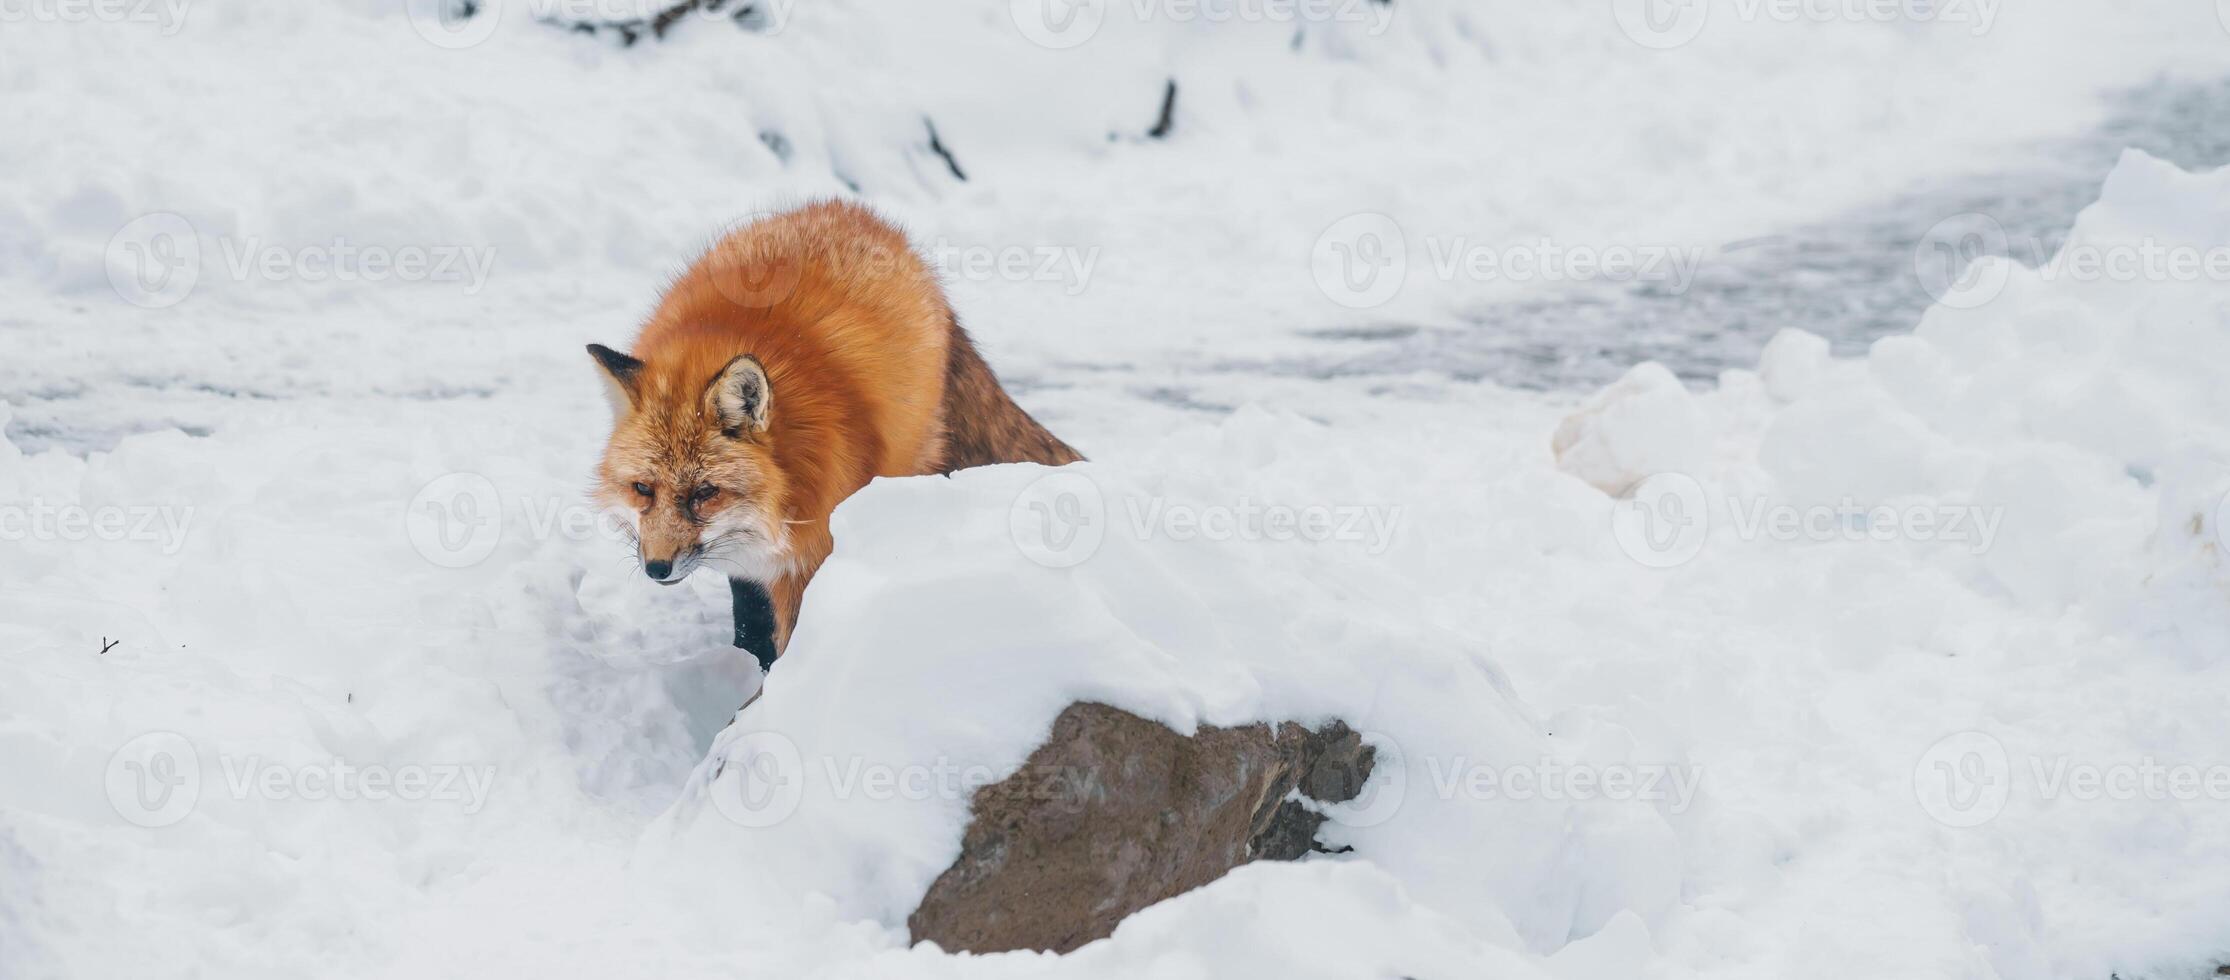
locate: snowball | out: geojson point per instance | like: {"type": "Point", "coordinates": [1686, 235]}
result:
{"type": "Point", "coordinates": [1792, 364]}
{"type": "Point", "coordinates": [1644, 424]}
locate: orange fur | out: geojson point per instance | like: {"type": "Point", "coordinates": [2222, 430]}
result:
{"type": "Point", "coordinates": [857, 345]}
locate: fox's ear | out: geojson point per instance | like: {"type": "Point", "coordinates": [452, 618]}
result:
{"type": "Point", "coordinates": [621, 371]}
{"type": "Point", "coordinates": [741, 396]}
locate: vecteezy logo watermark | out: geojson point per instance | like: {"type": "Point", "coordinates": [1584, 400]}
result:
{"type": "Point", "coordinates": [1058, 24]}
{"type": "Point", "coordinates": [764, 281]}
{"type": "Point", "coordinates": [1667, 518]}
{"type": "Point", "coordinates": [454, 24]}
{"type": "Point", "coordinates": [1448, 778]}
{"type": "Point", "coordinates": [760, 781]}
{"type": "Point", "coordinates": [455, 520]}
{"type": "Point", "coordinates": [1556, 781]}
{"type": "Point", "coordinates": [466, 786]}
{"type": "Point", "coordinates": [1665, 24]}
{"type": "Point", "coordinates": [1947, 257]}
{"type": "Point", "coordinates": [1374, 14]}
{"type": "Point", "coordinates": [1068, 266]}
{"type": "Point", "coordinates": [156, 260]}
{"type": "Point", "coordinates": [762, 776]}
{"type": "Point", "coordinates": [1362, 260]}
{"type": "Point", "coordinates": [756, 285]}
{"type": "Point", "coordinates": [1664, 521]}
{"type": "Point", "coordinates": [1967, 779]}
{"type": "Point", "coordinates": [1544, 260]}
{"type": "Point", "coordinates": [1371, 526]}
{"type": "Point", "coordinates": [1949, 260]}
{"type": "Point", "coordinates": [156, 780]}
{"type": "Point", "coordinates": [1371, 801]}
{"type": "Point", "coordinates": [343, 261]}
{"type": "Point", "coordinates": [1061, 519]}
{"type": "Point", "coordinates": [1963, 780]}
{"type": "Point", "coordinates": [167, 16]}
{"type": "Point", "coordinates": [2222, 517]}
{"type": "Point", "coordinates": [164, 525]}
{"type": "Point", "coordinates": [1661, 24]}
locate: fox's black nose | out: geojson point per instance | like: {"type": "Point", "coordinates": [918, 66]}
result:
{"type": "Point", "coordinates": [658, 569]}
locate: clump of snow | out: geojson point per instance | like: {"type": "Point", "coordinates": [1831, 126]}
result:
{"type": "Point", "coordinates": [1792, 363]}
{"type": "Point", "coordinates": [1646, 423]}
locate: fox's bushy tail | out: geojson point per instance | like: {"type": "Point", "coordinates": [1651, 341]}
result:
{"type": "Point", "coordinates": [983, 425]}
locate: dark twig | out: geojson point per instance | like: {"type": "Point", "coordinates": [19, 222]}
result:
{"type": "Point", "coordinates": [937, 146]}
{"type": "Point", "coordinates": [1168, 118]}
{"type": "Point", "coordinates": [655, 26]}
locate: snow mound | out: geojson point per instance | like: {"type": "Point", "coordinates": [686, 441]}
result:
{"type": "Point", "coordinates": [2034, 477]}
{"type": "Point", "coordinates": [2078, 403]}
{"type": "Point", "coordinates": [1106, 604]}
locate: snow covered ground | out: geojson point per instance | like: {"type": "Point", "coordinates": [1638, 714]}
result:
{"type": "Point", "coordinates": [313, 660]}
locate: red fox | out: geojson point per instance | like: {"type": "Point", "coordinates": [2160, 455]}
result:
{"type": "Point", "coordinates": [802, 356]}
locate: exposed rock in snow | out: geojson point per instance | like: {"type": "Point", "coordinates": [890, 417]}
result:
{"type": "Point", "coordinates": [1116, 812]}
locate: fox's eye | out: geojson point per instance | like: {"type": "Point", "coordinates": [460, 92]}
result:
{"type": "Point", "coordinates": [643, 488]}
{"type": "Point", "coordinates": [703, 494]}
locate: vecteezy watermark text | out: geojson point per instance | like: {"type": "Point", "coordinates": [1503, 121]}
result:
{"type": "Point", "coordinates": [1062, 24]}
{"type": "Point", "coordinates": [1666, 519]}
{"type": "Point", "coordinates": [761, 284]}
{"type": "Point", "coordinates": [1967, 779]}
{"type": "Point", "coordinates": [167, 16]}
{"type": "Point", "coordinates": [1363, 260]}
{"type": "Point", "coordinates": [161, 524]}
{"type": "Point", "coordinates": [158, 259]}
{"type": "Point", "coordinates": [1666, 24]}
{"type": "Point", "coordinates": [1555, 781]}
{"type": "Point", "coordinates": [1062, 518]}
{"type": "Point", "coordinates": [343, 261]}
{"type": "Point", "coordinates": [456, 520]}
{"type": "Point", "coordinates": [1065, 265]}
{"type": "Point", "coordinates": [762, 779]}
{"type": "Point", "coordinates": [157, 779]}
{"type": "Point", "coordinates": [1963, 261]}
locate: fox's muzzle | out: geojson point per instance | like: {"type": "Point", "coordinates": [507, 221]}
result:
{"type": "Point", "coordinates": [666, 571]}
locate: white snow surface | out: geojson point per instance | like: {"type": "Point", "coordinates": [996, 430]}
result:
{"type": "Point", "coordinates": [1487, 592]}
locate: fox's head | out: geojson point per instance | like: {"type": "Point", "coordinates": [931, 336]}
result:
{"type": "Point", "coordinates": [691, 460]}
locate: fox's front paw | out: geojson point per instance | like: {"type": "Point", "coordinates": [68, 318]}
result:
{"type": "Point", "coordinates": [754, 621]}
{"type": "Point", "coordinates": [760, 646]}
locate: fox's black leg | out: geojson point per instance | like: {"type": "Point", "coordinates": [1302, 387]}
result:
{"type": "Point", "coordinates": [754, 620]}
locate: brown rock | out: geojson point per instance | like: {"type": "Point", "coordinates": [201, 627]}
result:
{"type": "Point", "coordinates": [1114, 813]}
